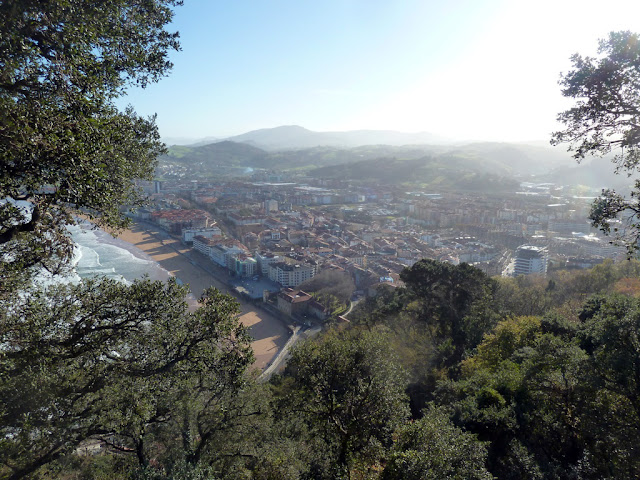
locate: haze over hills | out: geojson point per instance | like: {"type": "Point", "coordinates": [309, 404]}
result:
{"type": "Point", "coordinates": [296, 137]}
{"type": "Point", "coordinates": [597, 173]}
{"type": "Point", "coordinates": [388, 156]}
{"type": "Point", "coordinates": [288, 137]}
{"type": "Point", "coordinates": [302, 148]}
{"type": "Point", "coordinates": [535, 157]}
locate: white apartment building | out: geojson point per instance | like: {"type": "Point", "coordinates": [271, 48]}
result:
{"type": "Point", "coordinates": [289, 275]}
{"type": "Point", "coordinates": [188, 234]}
{"type": "Point", "coordinates": [265, 259]}
{"type": "Point", "coordinates": [530, 259]}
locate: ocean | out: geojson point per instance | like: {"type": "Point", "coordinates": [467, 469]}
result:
{"type": "Point", "coordinates": [99, 254]}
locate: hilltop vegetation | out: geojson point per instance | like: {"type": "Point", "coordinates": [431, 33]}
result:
{"type": "Point", "coordinates": [486, 167]}
{"type": "Point", "coordinates": [443, 172]}
{"type": "Point", "coordinates": [452, 374]}
{"type": "Point", "coordinates": [521, 378]}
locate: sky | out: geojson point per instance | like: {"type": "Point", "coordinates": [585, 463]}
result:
{"type": "Point", "coordinates": [461, 69]}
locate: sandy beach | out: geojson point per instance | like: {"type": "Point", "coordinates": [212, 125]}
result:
{"type": "Point", "coordinates": [269, 333]}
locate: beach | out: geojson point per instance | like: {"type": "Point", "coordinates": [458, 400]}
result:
{"type": "Point", "coordinates": [269, 333]}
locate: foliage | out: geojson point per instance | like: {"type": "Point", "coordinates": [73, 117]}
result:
{"type": "Point", "coordinates": [611, 337]}
{"type": "Point", "coordinates": [454, 302]}
{"type": "Point", "coordinates": [113, 362]}
{"type": "Point", "coordinates": [443, 171]}
{"type": "Point", "coordinates": [606, 119]}
{"type": "Point", "coordinates": [331, 288]}
{"type": "Point", "coordinates": [433, 448]}
{"type": "Point", "coordinates": [606, 115]}
{"type": "Point", "coordinates": [64, 146]}
{"type": "Point", "coordinates": [555, 398]}
{"type": "Point", "coordinates": [332, 282]}
{"type": "Point", "coordinates": [507, 337]}
{"type": "Point", "coordinates": [536, 295]}
{"type": "Point", "coordinates": [350, 392]}
{"type": "Point", "coordinates": [384, 308]}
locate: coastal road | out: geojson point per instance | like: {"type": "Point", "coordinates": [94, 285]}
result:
{"type": "Point", "coordinates": [282, 356]}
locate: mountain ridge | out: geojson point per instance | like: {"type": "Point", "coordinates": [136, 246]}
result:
{"type": "Point", "coordinates": [291, 137]}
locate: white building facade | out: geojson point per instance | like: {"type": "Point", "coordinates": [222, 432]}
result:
{"type": "Point", "coordinates": [530, 259]}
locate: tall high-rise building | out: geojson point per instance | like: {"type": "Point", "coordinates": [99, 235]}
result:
{"type": "Point", "coordinates": [530, 259]}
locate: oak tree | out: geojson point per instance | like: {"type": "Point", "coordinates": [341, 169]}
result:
{"type": "Point", "coordinates": [349, 389]}
{"type": "Point", "coordinates": [605, 120]}
{"type": "Point", "coordinates": [64, 145]}
{"type": "Point", "coordinates": [111, 362]}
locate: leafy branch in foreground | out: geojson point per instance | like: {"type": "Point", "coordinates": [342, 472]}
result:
{"type": "Point", "coordinates": [104, 360]}
{"type": "Point", "coordinates": [64, 145]}
{"type": "Point", "coordinates": [606, 120]}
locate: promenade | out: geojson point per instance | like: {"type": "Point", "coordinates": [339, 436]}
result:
{"type": "Point", "coordinates": [270, 333]}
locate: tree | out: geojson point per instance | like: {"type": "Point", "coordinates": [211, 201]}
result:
{"type": "Point", "coordinates": [64, 146]}
{"type": "Point", "coordinates": [606, 120]}
{"type": "Point", "coordinates": [350, 391]}
{"type": "Point", "coordinates": [455, 302]}
{"type": "Point", "coordinates": [112, 362]}
{"type": "Point", "coordinates": [433, 448]}
{"type": "Point", "coordinates": [330, 284]}
{"type": "Point", "coordinates": [99, 359]}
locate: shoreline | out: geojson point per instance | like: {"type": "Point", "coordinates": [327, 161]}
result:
{"type": "Point", "coordinates": [269, 333]}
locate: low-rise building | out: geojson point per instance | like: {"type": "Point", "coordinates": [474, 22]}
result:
{"type": "Point", "coordinates": [188, 234]}
{"type": "Point", "coordinates": [296, 303]}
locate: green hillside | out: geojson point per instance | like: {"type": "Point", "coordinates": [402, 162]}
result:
{"type": "Point", "coordinates": [448, 172]}
{"type": "Point", "coordinates": [391, 164]}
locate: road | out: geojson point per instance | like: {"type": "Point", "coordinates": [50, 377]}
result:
{"type": "Point", "coordinates": [284, 354]}
{"type": "Point", "coordinates": [351, 306]}
{"type": "Point", "coordinates": [270, 329]}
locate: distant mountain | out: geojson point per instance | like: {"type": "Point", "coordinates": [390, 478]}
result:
{"type": "Point", "coordinates": [499, 159]}
{"type": "Point", "coordinates": [520, 159]}
{"type": "Point", "coordinates": [448, 172]}
{"type": "Point", "coordinates": [295, 137]}
{"type": "Point", "coordinates": [190, 141]}
{"type": "Point", "coordinates": [221, 153]}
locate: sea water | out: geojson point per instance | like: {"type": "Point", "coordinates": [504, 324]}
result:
{"type": "Point", "coordinates": [97, 253]}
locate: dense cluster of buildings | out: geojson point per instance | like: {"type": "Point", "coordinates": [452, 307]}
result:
{"type": "Point", "coordinates": [288, 231]}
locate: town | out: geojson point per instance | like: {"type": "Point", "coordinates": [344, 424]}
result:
{"type": "Point", "coordinates": [273, 233]}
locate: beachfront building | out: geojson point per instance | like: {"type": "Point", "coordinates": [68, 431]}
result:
{"type": "Point", "coordinates": [174, 220]}
{"type": "Point", "coordinates": [188, 234]}
{"type": "Point", "coordinates": [205, 244]}
{"type": "Point", "coordinates": [245, 265]}
{"type": "Point", "coordinates": [224, 255]}
{"type": "Point", "coordinates": [265, 259]}
{"type": "Point", "coordinates": [289, 275]}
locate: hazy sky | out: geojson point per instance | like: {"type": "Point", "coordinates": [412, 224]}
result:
{"type": "Point", "coordinates": [467, 69]}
